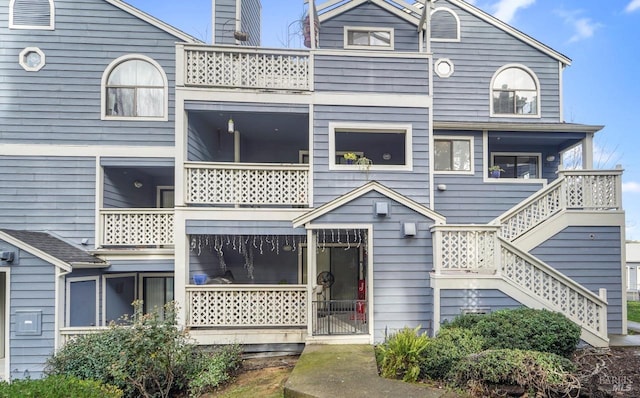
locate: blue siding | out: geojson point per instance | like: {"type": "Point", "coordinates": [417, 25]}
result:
{"type": "Point", "coordinates": [470, 200]}
{"type": "Point", "coordinates": [48, 193]}
{"type": "Point", "coordinates": [329, 184]}
{"type": "Point", "coordinates": [251, 21]}
{"type": "Point", "coordinates": [32, 288]}
{"type": "Point", "coordinates": [591, 256]}
{"type": "Point", "coordinates": [224, 21]}
{"type": "Point", "coordinates": [401, 266]}
{"type": "Point", "coordinates": [158, 265]}
{"type": "Point", "coordinates": [453, 302]}
{"type": "Point", "coordinates": [61, 103]}
{"type": "Point", "coordinates": [369, 15]}
{"type": "Point", "coordinates": [482, 50]}
{"type": "Point", "coordinates": [407, 75]}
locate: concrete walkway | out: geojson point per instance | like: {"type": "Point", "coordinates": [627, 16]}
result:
{"type": "Point", "coordinates": [629, 340]}
{"type": "Point", "coordinates": [333, 371]}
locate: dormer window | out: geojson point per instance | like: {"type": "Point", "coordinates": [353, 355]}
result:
{"type": "Point", "coordinates": [364, 38]}
{"type": "Point", "coordinates": [515, 92]}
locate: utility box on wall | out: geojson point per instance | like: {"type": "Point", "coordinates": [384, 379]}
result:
{"type": "Point", "coordinates": [28, 323]}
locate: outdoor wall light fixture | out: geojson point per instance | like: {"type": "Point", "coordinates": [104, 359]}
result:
{"type": "Point", "coordinates": [287, 248]}
{"type": "Point", "coordinates": [137, 184]}
{"type": "Point", "coordinates": [231, 126]}
{"type": "Point", "coordinates": [551, 158]}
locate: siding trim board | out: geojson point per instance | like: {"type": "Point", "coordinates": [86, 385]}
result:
{"type": "Point", "coordinates": [349, 5]}
{"type": "Point", "coordinates": [364, 189]}
{"type": "Point", "coordinates": [153, 21]}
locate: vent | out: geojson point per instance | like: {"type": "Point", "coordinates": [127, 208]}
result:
{"type": "Point", "coordinates": [32, 14]}
{"type": "Point", "coordinates": [444, 25]}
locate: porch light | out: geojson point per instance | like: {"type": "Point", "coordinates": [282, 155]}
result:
{"type": "Point", "coordinates": [551, 158]}
{"type": "Point", "coordinates": [231, 126]}
{"type": "Point", "coordinates": [137, 184]}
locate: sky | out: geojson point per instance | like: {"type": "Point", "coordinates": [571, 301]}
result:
{"type": "Point", "coordinates": [602, 38]}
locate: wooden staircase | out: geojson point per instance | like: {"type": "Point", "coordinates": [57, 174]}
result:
{"type": "Point", "coordinates": [492, 256]}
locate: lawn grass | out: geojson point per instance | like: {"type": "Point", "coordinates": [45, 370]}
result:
{"type": "Point", "coordinates": [633, 311]}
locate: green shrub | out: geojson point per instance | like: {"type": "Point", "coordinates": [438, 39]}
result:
{"type": "Point", "coordinates": [401, 355]}
{"type": "Point", "coordinates": [541, 372]}
{"type": "Point", "coordinates": [148, 358]}
{"type": "Point", "coordinates": [464, 321]}
{"type": "Point", "coordinates": [217, 369]}
{"type": "Point", "coordinates": [525, 329]}
{"type": "Point", "coordinates": [449, 347]}
{"type": "Point", "coordinates": [58, 387]}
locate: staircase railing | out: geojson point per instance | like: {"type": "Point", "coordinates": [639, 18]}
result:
{"type": "Point", "coordinates": [575, 189]}
{"type": "Point", "coordinates": [478, 249]}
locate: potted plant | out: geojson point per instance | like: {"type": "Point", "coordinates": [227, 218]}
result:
{"type": "Point", "coordinates": [350, 157]}
{"type": "Point", "coordinates": [494, 171]}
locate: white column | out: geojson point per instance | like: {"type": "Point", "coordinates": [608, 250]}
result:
{"type": "Point", "coordinates": [587, 152]}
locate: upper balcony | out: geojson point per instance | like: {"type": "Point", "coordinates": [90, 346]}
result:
{"type": "Point", "coordinates": [302, 71]}
{"type": "Point", "coordinates": [204, 66]}
{"type": "Point", "coordinates": [137, 203]}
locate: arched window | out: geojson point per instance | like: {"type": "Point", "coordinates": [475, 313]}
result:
{"type": "Point", "coordinates": [135, 87]}
{"type": "Point", "coordinates": [515, 91]}
{"type": "Point", "coordinates": [445, 25]}
{"type": "Point", "coordinates": [31, 14]}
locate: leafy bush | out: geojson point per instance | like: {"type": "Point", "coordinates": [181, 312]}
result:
{"type": "Point", "coordinates": [149, 358]}
{"type": "Point", "coordinates": [544, 373]}
{"type": "Point", "coordinates": [465, 321]}
{"type": "Point", "coordinates": [449, 347]}
{"type": "Point", "coordinates": [525, 329]}
{"type": "Point", "coordinates": [401, 355]}
{"type": "Point", "coordinates": [217, 369]}
{"type": "Point", "coordinates": [58, 387]}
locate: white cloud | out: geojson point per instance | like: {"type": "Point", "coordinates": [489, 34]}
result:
{"type": "Point", "coordinates": [634, 5]}
{"type": "Point", "coordinates": [583, 27]}
{"type": "Point", "coordinates": [505, 10]}
{"type": "Point", "coordinates": [631, 187]}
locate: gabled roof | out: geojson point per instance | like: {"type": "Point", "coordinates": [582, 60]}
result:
{"type": "Point", "coordinates": [51, 249]}
{"type": "Point", "coordinates": [358, 192]}
{"type": "Point", "coordinates": [154, 21]}
{"type": "Point", "coordinates": [411, 13]}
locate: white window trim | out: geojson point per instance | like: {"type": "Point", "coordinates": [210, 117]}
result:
{"type": "Point", "coordinates": [52, 19]}
{"type": "Point", "coordinates": [159, 190]}
{"type": "Point", "coordinates": [67, 315]}
{"type": "Point", "coordinates": [104, 291]}
{"type": "Point", "coordinates": [143, 276]}
{"type": "Point", "coordinates": [515, 115]}
{"type": "Point", "coordinates": [405, 129]}
{"type": "Point", "coordinates": [469, 138]}
{"type": "Point", "coordinates": [348, 29]}
{"type": "Point", "coordinates": [450, 11]}
{"type": "Point", "coordinates": [103, 89]}
{"type": "Point", "coordinates": [441, 61]}
{"type": "Point", "coordinates": [23, 63]}
{"type": "Point", "coordinates": [538, 155]}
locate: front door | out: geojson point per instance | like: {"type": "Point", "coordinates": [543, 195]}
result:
{"type": "Point", "coordinates": [338, 304]}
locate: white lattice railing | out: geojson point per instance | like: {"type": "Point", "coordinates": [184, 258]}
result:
{"type": "Point", "coordinates": [247, 306]}
{"type": "Point", "coordinates": [576, 190]}
{"type": "Point", "coordinates": [136, 227]}
{"type": "Point", "coordinates": [564, 295]}
{"type": "Point", "coordinates": [478, 249]}
{"type": "Point", "coordinates": [247, 184]}
{"type": "Point", "coordinates": [465, 248]}
{"type": "Point", "coordinates": [236, 67]}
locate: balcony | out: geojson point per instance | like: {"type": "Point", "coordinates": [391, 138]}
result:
{"type": "Point", "coordinates": [136, 227]}
{"type": "Point", "coordinates": [249, 68]}
{"type": "Point", "coordinates": [247, 184]}
{"type": "Point", "coordinates": [274, 306]}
